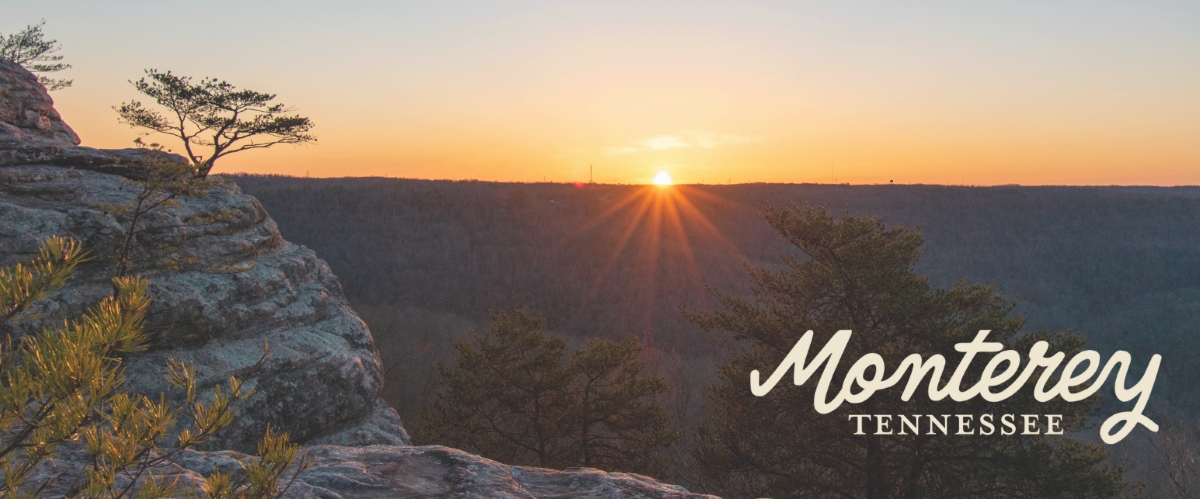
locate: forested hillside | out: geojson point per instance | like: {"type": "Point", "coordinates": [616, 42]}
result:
{"type": "Point", "coordinates": [422, 261]}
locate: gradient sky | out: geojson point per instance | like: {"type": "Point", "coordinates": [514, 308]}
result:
{"type": "Point", "coordinates": [1085, 92]}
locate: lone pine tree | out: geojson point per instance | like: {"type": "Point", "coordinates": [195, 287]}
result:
{"type": "Point", "coordinates": [213, 115]}
{"type": "Point", "coordinates": [857, 274]}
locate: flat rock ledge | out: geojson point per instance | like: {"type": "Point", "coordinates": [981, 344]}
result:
{"type": "Point", "coordinates": [385, 471]}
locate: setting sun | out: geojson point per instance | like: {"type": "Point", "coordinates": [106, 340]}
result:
{"type": "Point", "coordinates": [663, 178]}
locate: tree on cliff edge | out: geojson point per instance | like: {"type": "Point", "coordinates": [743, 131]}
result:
{"type": "Point", "coordinates": [858, 275]}
{"type": "Point", "coordinates": [213, 115]}
{"type": "Point", "coordinates": [30, 49]}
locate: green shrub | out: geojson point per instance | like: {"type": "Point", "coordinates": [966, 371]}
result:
{"type": "Point", "coordinates": [63, 385]}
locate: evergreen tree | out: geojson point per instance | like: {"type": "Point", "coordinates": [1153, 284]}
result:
{"type": "Point", "coordinates": [616, 426]}
{"type": "Point", "coordinates": [506, 396]}
{"type": "Point", "coordinates": [63, 385]}
{"type": "Point", "coordinates": [858, 275]}
{"type": "Point", "coordinates": [31, 50]}
{"type": "Point", "coordinates": [213, 115]}
{"type": "Point", "coordinates": [515, 395]}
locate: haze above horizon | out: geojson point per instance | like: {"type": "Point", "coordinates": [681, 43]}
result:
{"type": "Point", "coordinates": [937, 93]}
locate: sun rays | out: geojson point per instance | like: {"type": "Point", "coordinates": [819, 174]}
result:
{"type": "Point", "coordinates": [655, 229]}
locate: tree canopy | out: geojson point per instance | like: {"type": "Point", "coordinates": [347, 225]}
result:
{"type": "Point", "coordinates": [213, 115]}
{"type": "Point", "coordinates": [857, 274]}
{"type": "Point", "coordinates": [511, 397]}
{"type": "Point", "coordinates": [30, 49]}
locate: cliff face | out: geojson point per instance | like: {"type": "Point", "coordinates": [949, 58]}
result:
{"type": "Point", "coordinates": [236, 284]}
{"type": "Point", "coordinates": [239, 285]}
{"type": "Point", "coordinates": [223, 284]}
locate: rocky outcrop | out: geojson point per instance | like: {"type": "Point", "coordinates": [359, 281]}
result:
{"type": "Point", "coordinates": [220, 290]}
{"type": "Point", "coordinates": [26, 110]}
{"type": "Point", "coordinates": [335, 472]}
{"type": "Point", "coordinates": [32, 132]}
{"type": "Point", "coordinates": [223, 284]}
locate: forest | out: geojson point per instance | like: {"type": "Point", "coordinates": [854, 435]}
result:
{"type": "Point", "coordinates": [424, 261]}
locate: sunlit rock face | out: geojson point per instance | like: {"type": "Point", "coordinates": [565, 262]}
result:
{"type": "Point", "coordinates": [27, 109]}
{"type": "Point", "coordinates": [236, 285]}
{"type": "Point", "coordinates": [224, 284]}
{"type": "Point", "coordinates": [32, 132]}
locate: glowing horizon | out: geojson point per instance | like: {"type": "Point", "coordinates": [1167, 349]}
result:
{"type": "Point", "coordinates": [1014, 93]}
{"type": "Point", "coordinates": [662, 179]}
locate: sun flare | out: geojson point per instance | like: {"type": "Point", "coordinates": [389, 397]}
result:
{"type": "Point", "coordinates": [654, 224]}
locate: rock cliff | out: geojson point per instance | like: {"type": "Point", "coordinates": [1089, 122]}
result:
{"type": "Point", "coordinates": [234, 285]}
{"type": "Point", "coordinates": [246, 286]}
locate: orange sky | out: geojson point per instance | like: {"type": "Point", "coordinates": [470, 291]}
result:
{"type": "Point", "coordinates": [1013, 92]}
